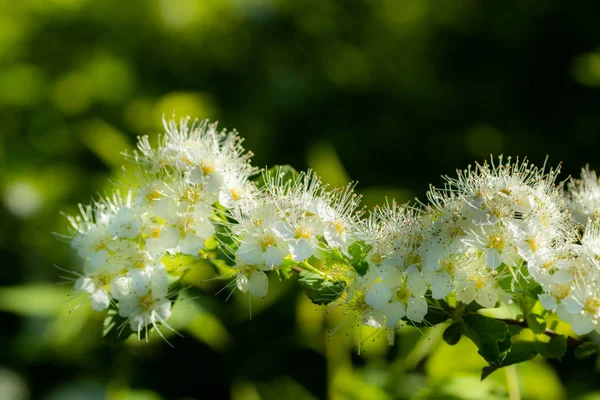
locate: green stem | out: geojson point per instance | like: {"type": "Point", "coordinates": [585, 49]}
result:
{"type": "Point", "coordinates": [308, 267]}
{"type": "Point", "coordinates": [512, 382]}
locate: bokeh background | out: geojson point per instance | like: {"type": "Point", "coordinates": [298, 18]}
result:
{"type": "Point", "coordinates": [390, 93]}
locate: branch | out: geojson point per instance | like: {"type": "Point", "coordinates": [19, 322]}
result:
{"type": "Point", "coordinates": [572, 342]}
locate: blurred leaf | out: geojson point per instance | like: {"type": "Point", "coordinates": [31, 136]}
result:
{"type": "Point", "coordinates": [555, 348]}
{"type": "Point", "coordinates": [489, 335]}
{"type": "Point", "coordinates": [520, 351]}
{"type": "Point", "coordinates": [452, 334]}
{"type": "Point", "coordinates": [323, 159]}
{"type": "Point", "coordinates": [586, 349]}
{"type": "Point", "coordinates": [34, 300]}
{"type": "Point", "coordinates": [105, 141]}
{"type": "Point", "coordinates": [536, 323]}
{"type": "Point", "coordinates": [319, 290]}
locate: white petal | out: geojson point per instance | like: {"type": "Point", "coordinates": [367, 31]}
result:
{"type": "Point", "coordinates": [250, 253]}
{"type": "Point", "coordinates": [140, 282]}
{"type": "Point", "coordinates": [166, 208]}
{"type": "Point", "coordinates": [128, 306]}
{"type": "Point", "coordinates": [415, 282]}
{"type": "Point", "coordinates": [98, 258]}
{"type": "Point", "coordinates": [195, 176]}
{"type": "Point", "coordinates": [283, 230]}
{"type": "Point", "coordinates": [562, 276]}
{"type": "Point", "coordinates": [379, 295]}
{"type": "Point", "coordinates": [163, 309]}
{"type": "Point", "coordinates": [432, 256]}
{"type": "Point", "coordinates": [159, 281]}
{"type": "Point", "coordinates": [492, 258]}
{"type": "Point", "coordinates": [416, 309]}
{"type": "Point", "coordinates": [85, 284]}
{"type": "Point", "coordinates": [274, 256]}
{"type": "Point", "coordinates": [548, 302]}
{"type": "Point", "coordinates": [191, 244]}
{"type": "Point", "coordinates": [466, 295]}
{"type": "Point", "coordinates": [393, 312]}
{"type": "Point", "coordinates": [258, 283]}
{"type": "Point", "coordinates": [301, 249]}
{"type": "Point", "coordinates": [573, 305]}
{"type": "Point", "coordinates": [120, 287]}
{"type": "Point", "coordinates": [582, 324]}
{"type": "Point", "coordinates": [100, 300]}
{"type": "Point", "coordinates": [441, 285]}
{"type": "Point", "coordinates": [204, 229]}
{"type": "Point", "coordinates": [487, 297]}
{"type": "Point", "coordinates": [214, 182]}
{"type": "Point", "coordinates": [169, 237]}
{"type": "Point", "coordinates": [242, 283]}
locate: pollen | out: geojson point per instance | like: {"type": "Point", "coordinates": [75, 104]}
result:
{"type": "Point", "coordinates": [155, 233]}
{"type": "Point", "coordinates": [592, 305]}
{"type": "Point", "coordinates": [478, 281]}
{"type": "Point", "coordinates": [207, 166]}
{"type": "Point", "coordinates": [376, 258]}
{"type": "Point", "coordinates": [146, 301]}
{"type": "Point", "coordinates": [302, 233]}
{"type": "Point", "coordinates": [153, 195]}
{"type": "Point", "coordinates": [192, 195]}
{"type": "Point", "coordinates": [533, 244]}
{"type": "Point", "coordinates": [266, 241]}
{"type": "Point", "coordinates": [561, 291]}
{"type": "Point", "coordinates": [448, 266]}
{"type": "Point", "coordinates": [235, 194]}
{"type": "Point", "coordinates": [496, 242]}
{"type": "Point", "coordinates": [402, 294]}
{"type": "Point", "coordinates": [339, 228]}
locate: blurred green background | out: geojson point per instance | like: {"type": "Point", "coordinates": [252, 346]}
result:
{"type": "Point", "coordinates": [391, 93]}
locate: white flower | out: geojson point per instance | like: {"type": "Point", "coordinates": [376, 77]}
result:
{"type": "Point", "coordinates": [584, 195]}
{"type": "Point", "coordinates": [250, 279]}
{"type": "Point", "coordinates": [142, 296]}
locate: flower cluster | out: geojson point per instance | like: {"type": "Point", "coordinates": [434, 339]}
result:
{"type": "Point", "coordinates": [123, 241]}
{"type": "Point", "coordinates": [485, 234]}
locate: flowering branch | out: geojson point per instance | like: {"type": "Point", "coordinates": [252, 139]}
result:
{"type": "Point", "coordinates": [497, 232]}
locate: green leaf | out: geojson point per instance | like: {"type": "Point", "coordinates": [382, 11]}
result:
{"type": "Point", "coordinates": [319, 290]}
{"type": "Point", "coordinates": [491, 336]}
{"type": "Point", "coordinates": [472, 307]}
{"type": "Point", "coordinates": [520, 351]}
{"type": "Point", "coordinates": [334, 257]}
{"type": "Point", "coordinates": [536, 323]}
{"type": "Point", "coordinates": [452, 334]}
{"type": "Point", "coordinates": [358, 251]}
{"type": "Point", "coordinates": [587, 349]}
{"type": "Point", "coordinates": [281, 174]}
{"type": "Point", "coordinates": [555, 348]}
{"type": "Point", "coordinates": [514, 329]}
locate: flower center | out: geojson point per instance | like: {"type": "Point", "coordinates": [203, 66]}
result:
{"type": "Point", "coordinates": [302, 233]}
{"type": "Point", "coordinates": [496, 242]}
{"type": "Point", "coordinates": [207, 166]}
